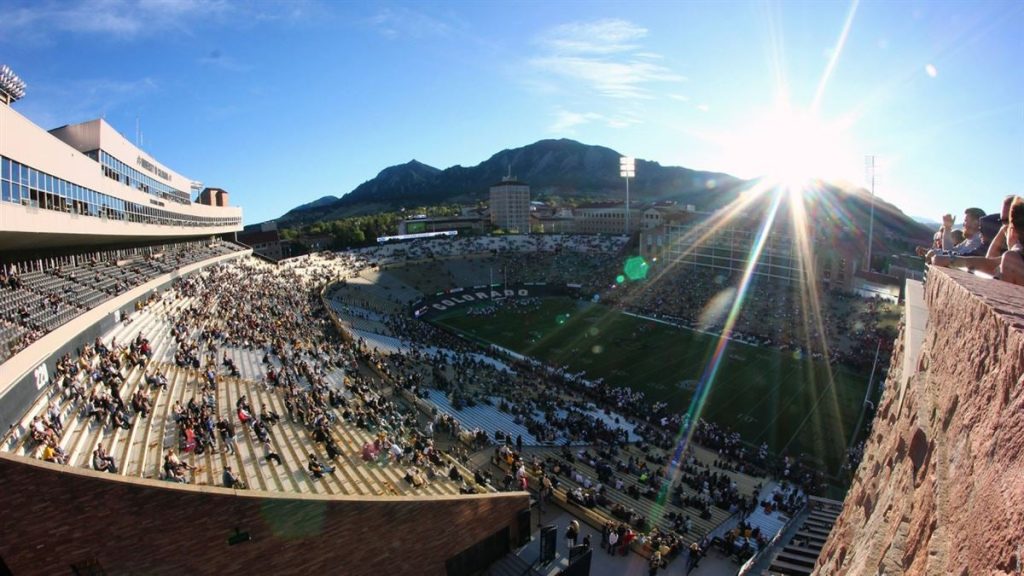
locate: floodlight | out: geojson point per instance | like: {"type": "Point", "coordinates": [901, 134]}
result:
{"type": "Point", "coordinates": [12, 88]}
{"type": "Point", "coordinates": [627, 170]}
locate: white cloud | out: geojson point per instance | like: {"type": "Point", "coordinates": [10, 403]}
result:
{"type": "Point", "coordinates": [403, 22]}
{"type": "Point", "coordinates": [679, 97]}
{"type": "Point", "coordinates": [704, 107]}
{"type": "Point", "coordinates": [566, 121]}
{"type": "Point", "coordinates": [614, 79]}
{"type": "Point", "coordinates": [599, 37]}
{"type": "Point", "coordinates": [80, 100]}
{"type": "Point", "coordinates": [113, 18]}
{"type": "Point", "coordinates": [604, 57]}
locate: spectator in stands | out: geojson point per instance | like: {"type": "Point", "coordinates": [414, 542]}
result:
{"type": "Point", "coordinates": [227, 435]}
{"type": "Point", "coordinates": [141, 402]}
{"type": "Point", "coordinates": [995, 238]}
{"type": "Point", "coordinates": [42, 432]}
{"type": "Point", "coordinates": [231, 480]}
{"type": "Point", "coordinates": [972, 245]}
{"type": "Point", "coordinates": [52, 452]}
{"type": "Point", "coordinates": [268, 416]}
{"type": "Point", "coordinates": [613, 540]}
{"type": "Point", "coordinates": [318, 469]}
{"type": "Point", "coordinates": [174, 468]}
{"type": "Point", "coordinates": [572, 532]}
{"type": "Point", "coordinates": [103, 462]}
{"type": "Point", "coordinates": [1012, 262]}
{"type": "Point", "coordinates": [268, 453]}
{"type": "Point", "coordinates": [655, 563]}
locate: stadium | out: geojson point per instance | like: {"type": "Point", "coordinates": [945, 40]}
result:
{"type": "Point", "coordinates": [151, 358]}
{"type": "Point", "coordinates": [178, 403]}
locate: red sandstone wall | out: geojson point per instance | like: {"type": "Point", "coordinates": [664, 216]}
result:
{"type": "Point", "coordinates": [52, 517]}
{"type": "Point", "coordinates": [941, 486]}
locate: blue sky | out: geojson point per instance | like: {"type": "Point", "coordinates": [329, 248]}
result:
{"type": "Point", "coordinates": [281, 103]}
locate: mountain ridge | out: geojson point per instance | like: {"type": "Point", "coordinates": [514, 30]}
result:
{"type": "Point", "coordinates": [552, 167]}
{"type": "Point", "coordinates": [569, 170]}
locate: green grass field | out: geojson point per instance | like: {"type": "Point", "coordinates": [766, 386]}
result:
{"type": "Point", "coordinates": [763, 393]}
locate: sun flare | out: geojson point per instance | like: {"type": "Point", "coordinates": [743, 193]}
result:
{"type": "Point", "coordinates": [791, 148]}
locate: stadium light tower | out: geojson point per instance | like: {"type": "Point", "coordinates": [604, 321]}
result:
{"type": "Point", "coordinates": [627, 169]}
{"type": "Point", "coordinates": [12, 88]}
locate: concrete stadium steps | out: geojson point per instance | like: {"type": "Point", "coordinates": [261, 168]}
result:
{"type": "Point", "coordinates": [351, 310]}
{"type": "Point", "coordinates": [120, 439]}
{"type": "Point", "coordinates": [511, 565]}
{"type": "Point", "coordinates": [152, 323]}
{"type": "Point", "coordinates": [165, 432]}
{"type": "Point", "coordinates": [18, 438]}
{"type": "Point", "coordinates": [248, 361]}
{"type": "Point", "coordinates": [286, 440]}
{"type": "Point", "coordinates": [92, 433]}
{"type": "Point", "coordinates": [770, 524]}
{"type": "Point", "coordinates": [653, 511]}
{"type": "Point", "coordinates": [483, 416]}
{"type": "Point", "coordinates": [135, 443]}
{"type": "Point", "coordinates": [84, 286]}
{"type": "Point", "coordinates": [336, 378]}
{"type": "Point", "coordinates": [798, 556]}
{"type": "Point", "coordinates": [249, 453]}
{"type": "Point", "coordinates": [364, 325]}
{"type": "Point", "coordinates": [139, 451]}
{"type": "Point", "coordinates": [379, 341]}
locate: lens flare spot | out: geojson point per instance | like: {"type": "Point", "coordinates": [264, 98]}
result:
{"type": "Point", "coordinates": [931, 70]}
{"type": "Point", "coordinates": [636, 268]}
{"type": "Point", "coordinates": [620, 279]}
{"type": "Point", "coordinates": [597, 349]}
{"type": "Point", "coordinates": [593, 331]}
{"type": "Point", "coordinates": [716, 309]}
{"type": "Point", "coordinates": [798, 354]}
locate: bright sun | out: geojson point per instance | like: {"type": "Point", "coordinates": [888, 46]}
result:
{"type": "Point", "coordinates": [793, 148]}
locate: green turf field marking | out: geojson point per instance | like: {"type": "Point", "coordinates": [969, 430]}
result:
{"type": "Point", "coordinates": [763, 393]}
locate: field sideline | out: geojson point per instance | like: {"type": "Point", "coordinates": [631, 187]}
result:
{"type": "Point", "coordinates": [763, 393]}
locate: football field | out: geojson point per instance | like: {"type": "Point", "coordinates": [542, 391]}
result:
{"type": "Point", "coordinates": [767, 395]}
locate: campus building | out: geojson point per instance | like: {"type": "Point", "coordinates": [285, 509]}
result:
{"type": "Point", "coordinates": [510, 206]}
{"type": "Point", "coordinates": [86, 184]}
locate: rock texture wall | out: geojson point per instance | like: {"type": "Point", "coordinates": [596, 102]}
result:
{"type": "Point", "coordinates": [941, 486]}
{"type": "Point", "coordinates": [53, 517]}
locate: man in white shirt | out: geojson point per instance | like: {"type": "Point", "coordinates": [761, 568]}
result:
{"type": "Point", "coordinates": [988, 262]}
{"type": "Point", "coordinates": [972, 245]}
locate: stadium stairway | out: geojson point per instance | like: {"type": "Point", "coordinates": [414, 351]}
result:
{"type": "Point", "coordinates": [804, 540]}
{"type": "Point", "coordinates": [770, 524]}
{"type": "Point", "coordinates": [511, 565]}
{"type": "Point", "coordinates": [482, 416]}
{"type": "Point", "coordinates": [379, 341]}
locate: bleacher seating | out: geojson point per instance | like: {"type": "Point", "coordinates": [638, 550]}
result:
{"type": "Point", "coordinates": [139, 449]}
{"type": "Point", "coordinates": [53, 292]}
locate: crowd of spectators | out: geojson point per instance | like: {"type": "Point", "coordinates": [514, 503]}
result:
{"type": "Point", "coordinates": [37, 295]}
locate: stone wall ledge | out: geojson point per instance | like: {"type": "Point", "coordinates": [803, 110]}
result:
{"type": "Point", "coordinates": [940, 489]}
